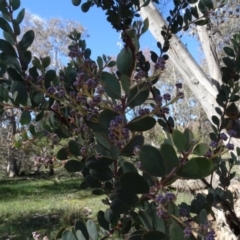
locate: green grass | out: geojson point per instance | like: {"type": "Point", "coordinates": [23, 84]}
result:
{"type": "Point", "coordinates": [43, 205]}
{"type": "Point", "coordinates": [46, 204]}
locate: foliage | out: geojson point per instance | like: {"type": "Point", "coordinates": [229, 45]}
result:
{"type": "Point", "coordinates": [88, 106]}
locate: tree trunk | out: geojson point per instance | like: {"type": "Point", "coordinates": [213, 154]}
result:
{"type": "Point", "coordinates": [13, 165]}
{"type": "Point", "coordinates": [191, 72]}
{"type": "Point", "coordinates": [203, 88]}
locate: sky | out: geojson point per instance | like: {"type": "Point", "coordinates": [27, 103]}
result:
{"type": "Point", "coordinates": [102, 38]}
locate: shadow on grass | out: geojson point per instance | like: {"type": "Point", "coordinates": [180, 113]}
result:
{"type": "Point", "coordinates": [21, 227]}
{"type": "Point", "coordinates": [11, 189]}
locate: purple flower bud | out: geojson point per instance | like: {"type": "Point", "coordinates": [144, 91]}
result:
{"type": "Point", "coordinates": [170, 197]}
{"type": "Point", "coordinates": [159, 199]}
{"type": "Point", "coordinates": [28, 78]}
{"type": "Point", "coordinates": [223, 136]}
{"type": "Point", "coordinates": [187, 232]}
{"type": "Point", "coordinates": [232, 133]}
{"type": "Point", "coordinates": [83, 150]}
{"type": "Point", "coordinates": [180, 95]}
{"type": "Point", "coordinates": [55, 107]}
{"type": "Point", "coordinates": [230, 146]}
{"type": "Point", "coordinates": [178, 85]}
{"type": "Point", "coordinates": [140, 74]}
{"type": "Point", "coordinates": [91, 83]}
{"type": "Point", "coordinates": [61, 93]}
{"type": "Point", "coordinates": [97, 99]}
{"type": "Point", "coordinates": [165, 110]}
{"type": "Point", "coordinates": [167, 96]}
{"type": "Point", "coordinates": [118, 107]}
{"type": "Point", "coordinates": [40, 79]}
{"type": "Point", "coordinates": [213, 144]}
{"type": "Point", "coordinates": [153, 190]}
{"type": "Point", "coordinates": [160, 64]}
{"type": "Point", "coordinates": [158, 100]}
{"type": "Point", "coordinates": [100, 90]}
{"type": "Point", "coordinates": [136, 150]}
{"type": "Point", "coordinates": [143, 111]}
{"type": "Point", "coordinates": [51, 90]}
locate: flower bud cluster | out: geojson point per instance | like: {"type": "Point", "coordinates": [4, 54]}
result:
{"type": "Point", "coordinates": [75, 52]}
{"type": "Point", "coordinates": [118, 134]}
{"type": "Point", "coordinates": [160, 64]}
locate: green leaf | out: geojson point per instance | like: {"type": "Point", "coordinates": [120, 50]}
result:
{"type": "Point", "coordinates": [92, 182]}
{"type": "Point", "coordinates": [229, 51]}
{"type": "Point", "coordinates": [111, 217]}
{"type": "Point", "coordinates": [62, 154]}
{"type": "Point", "coordinates": [100, 62]}
{"type": "Point", "coordinates": [76, 2]}
{"type": "Point", "coordinates": [189, 138]}
{"type": "Point", "coordinates": [155, 235]}
{"type": "Point", "coordinates": [46, 61]}
{"type": "Point", "coordinates": [94, 163]}
{"type": "Point", "coordinates": [137, 235]}
{"type": "Point", "coordinates": [15, 4]}
{"type": "Point", "coordinates": [79, 235]}
{"type": "Point", "coordinates": [140, 124]}
{"type": "Point", "coordinates": [208, 4]}
{"type": "Point", "coordinates": [111, 85]}
{"type": "Point", "coordinates": [133, 183]}
{"type": "Point", "coordinates": [14, 74]}
{"type": "Point", "coordinates": [112, 64]}
{"type": "Point", "coordinates": [118, 207]}
{"type": "Point", "coordinates": [128, 150]}
{"type": "Point", "coordinates": [36, 63]}
{"type": "Point", "coordinates": [3, 93]}
{"type": "Point", "coordinates": [74, 148]}
{"type": "Point", "coordinates": [179, 140]}
{"type": "Point", "coordinates": [127, 198]}
{"type": "Point", "coordinates": [37, 97]}
{"type": "Point", "coordinates": [102, 221]}
{"type": "Point", "coordinates": [201, 149]}
{"type": "Point", "coordinates": [201, 22]}
{"type": "Point", "coordinates": [102, 175]}
{"type": "Point", "coordinates": [7, 48]}
{"type": "Point", "coordinates": [145, 26]}
{"type": "Point", "coordinates": [25, 117]}
{"type": "Point", "coordinates": [20, 16]}
{"type": "Point", "coordinates": [196, 168]}
{"type": "Point", "coordinates": [106, 116]}
{"type": "Point", "coordinates": [39, 116]}
{"type": "Point", "coordinates": [129, 167]}
{"type": "Point", "coordinates": [8, 37]}
{"type": "Point", "coordinates": [176, 232]}
{"type": "Point", "coordinates": [27, 40]}
{"type": "Point", "coordinates": [92, 230]}
{"type": "Point", "coordinates": [16, 28]}
{"type": "Point", "coordinates": [73, 166]}
{"type": "Point", "coordinates": [67, 235]}
{"type": "Point", "coordinates": [125, 81]}
{"type": "Point", "coordinates": [152, 161]}
{"type": "Point", "coordinates": [19, 92]}
{"type": "Point", "coordinates": [125, 61]}
{"type": "Point", "coordinates": [145, 219]}
{"type": "Point", "coordinates": [169, 155]}
{"type": "Point", "coordinates": [50, 76]}
{"type": "Point", "coordinates": [4, 25]}
{"type": "Point", "coordinates": [85, 6]}
{"type": "Point", "coordinates": [81, 227]}
{"type": "Point", "coordinates": [202, 217]}
{"type": "Point", "coordinates": [138, 95]}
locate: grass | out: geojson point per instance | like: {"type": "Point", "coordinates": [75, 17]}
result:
{"type": "Point", "coordinates": [43, 205]}
{"type": "Point", "coordinates": [46, 204]}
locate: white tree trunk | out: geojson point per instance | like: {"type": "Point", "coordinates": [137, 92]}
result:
{"type": "Point", "coordinates": [191, 72]}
